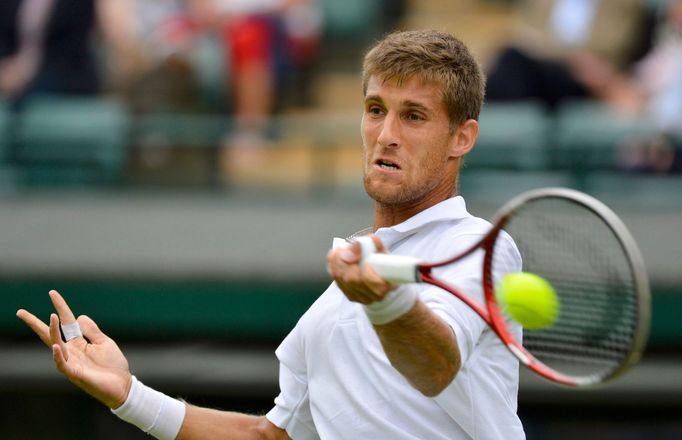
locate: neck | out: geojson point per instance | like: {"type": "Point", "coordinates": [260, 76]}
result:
{"type": "Point", "coordinates": [390, 215]}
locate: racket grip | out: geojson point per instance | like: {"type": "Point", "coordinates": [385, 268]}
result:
{"type": "Point", "coordinates": [399, 269]}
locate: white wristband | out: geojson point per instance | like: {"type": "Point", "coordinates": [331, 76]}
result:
{"type": "Point", "coordinates": [396, 303]}
{"type": "Point", "coordinates": [153, 412]}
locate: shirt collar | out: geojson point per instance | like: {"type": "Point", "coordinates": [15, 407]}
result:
{"type": "Point", "coordinates": [450, 209]}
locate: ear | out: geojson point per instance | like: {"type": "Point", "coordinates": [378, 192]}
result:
{"type": "Point", "coordinates": [464, 138]}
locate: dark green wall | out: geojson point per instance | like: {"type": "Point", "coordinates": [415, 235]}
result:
{"type": "Point", "coordinates": [247, 310]}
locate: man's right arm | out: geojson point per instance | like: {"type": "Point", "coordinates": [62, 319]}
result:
{"type": "Point", "coordinates": [166, 418]}
{"type": "Point", "coordinates": [94, 363]}
{"type": "Point", "coordinates": [205, 423]}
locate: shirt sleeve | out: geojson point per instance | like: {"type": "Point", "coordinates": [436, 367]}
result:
{"type": "Point", "coordinates": [466, 323]}
{"type": "Point", "coordinates": [466, 276]}
{"type": "Point", "coordinates": [292, 406]}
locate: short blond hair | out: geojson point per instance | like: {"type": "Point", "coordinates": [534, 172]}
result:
{"type": "Point", "coordinates": [435, 57]}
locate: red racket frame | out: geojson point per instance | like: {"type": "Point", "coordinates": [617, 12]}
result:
{"type": "Point", "coordinates": [490, 311]}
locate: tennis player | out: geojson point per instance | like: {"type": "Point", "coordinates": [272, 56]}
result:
{"type": "Point", "coordinates": [368, 360]}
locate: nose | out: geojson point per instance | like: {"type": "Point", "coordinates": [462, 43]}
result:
{"type": "Point", "coordinates": [390, 130]}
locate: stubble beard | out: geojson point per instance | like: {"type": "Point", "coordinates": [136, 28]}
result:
{"type": "Point", "coordinates": [404, 194]}
{"type": "Point", "coordinates": [396, 196]}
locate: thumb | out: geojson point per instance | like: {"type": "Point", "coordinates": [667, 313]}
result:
{"type": "Point", "coordinates": [351, 254]}
{"type": "Point", "coordinates": [90, 330]}
{"type": "Point", "coordinates": [378, 244]}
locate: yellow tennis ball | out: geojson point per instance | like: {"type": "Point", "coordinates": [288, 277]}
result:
{"type": "Point", "coordinates": [528, 299]}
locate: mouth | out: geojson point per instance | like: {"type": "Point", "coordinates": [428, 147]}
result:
{"type": "Point", "coordinates": [387, 165]}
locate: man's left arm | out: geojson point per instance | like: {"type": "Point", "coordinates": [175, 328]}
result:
{"type": "Point", "coordinates": [418, 343]}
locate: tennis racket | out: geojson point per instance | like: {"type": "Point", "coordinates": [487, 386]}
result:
{"type": "Point", "coordinates": [585, 251]}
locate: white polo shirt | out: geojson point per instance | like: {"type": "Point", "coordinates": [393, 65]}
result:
{"type": "Point", "coordinates": [337, 383]}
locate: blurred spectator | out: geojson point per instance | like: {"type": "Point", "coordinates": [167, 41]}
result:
{"type": "Point", "coordinates": [555, 35]}
{"type": "Point", "coordinates": [652, 89]}
{"type": "Point", "coordinates": [212, 52]}
{"type": "Point", "coordinates": [655, 83]}
{"type": "Point", "coordinates": [264, 38]}
{"type": "Point", "coordinates": [47, 46]}
{"type": "Point", "coordinates": [654, 155]}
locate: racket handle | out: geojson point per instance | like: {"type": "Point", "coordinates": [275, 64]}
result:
{"type": "Point", "coordinates": [399, 269]}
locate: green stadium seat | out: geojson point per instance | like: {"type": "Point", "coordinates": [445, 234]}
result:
{"type": "Point", "coordinates": [658, 5]}
{"type": "Point", "coordinates": [588, 134]}
{"type": "Point", "coordinates": [179, 130]}
{"type": "Point", "coordinates": [350, 20]}
{"type": "Point", "coordinates": [498, 186]}
{"type": "Point", "coordinates": [73, 140]}
{"type": "Point", "coordinates": [513, 136]}
{"type": "Point", "coordinates": [646, 191]}
{"type": "Point", "coordinates": [5, 126]}
{"type": "Point", "coordinates": [10, 176]}
{"type": "Point", "coordinates": [211, 73]}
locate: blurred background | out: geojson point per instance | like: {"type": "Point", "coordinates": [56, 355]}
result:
{"type": "Point", "coordinates": [177, 170]}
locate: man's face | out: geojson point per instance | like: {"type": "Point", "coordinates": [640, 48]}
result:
{"type": "Point", "coordinates": [409, 160]}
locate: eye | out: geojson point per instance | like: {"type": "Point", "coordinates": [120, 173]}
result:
{"type": "Point", "coordinates": [414, 116]}
{"type": "Point", "coordinates": [374, 110]}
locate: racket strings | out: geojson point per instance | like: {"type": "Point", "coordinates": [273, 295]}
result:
{"type": "Point", "coordinates": [577, 252]}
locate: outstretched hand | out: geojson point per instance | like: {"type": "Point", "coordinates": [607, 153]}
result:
{"type": "Point", "coordinates": [359, 283]}
{"type": "Point", "coordinates": [93, 361]}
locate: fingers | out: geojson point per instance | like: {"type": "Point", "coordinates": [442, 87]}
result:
{"type": "Point", "coordinates": [343, 263]}
{"type": "Point", "coordinates": [363, 293]}
{"type": "Point", "coordinates": [35, 324]}
{"type": "Point", "coordinates": [65, 314]}
{"type": "Point", "coordinates": [56, 336]}
{"type": "Point", "coordinates": [368, 286]}
{"type": "Point", "coordinates": [60, 357]}
{"type": "Point", "coordinates": [350, 254]}
{"type": "Point", "coordinates": [343, 256]}
{"type": "Point", "coordinates": [50, 333]}
{"type": "Point", "coordinates": [378, 244]}
{"type": "Point", "coordinates": [359, 283]}
{"type": "Point", "coordinates": [90, 330]}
